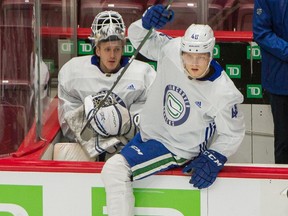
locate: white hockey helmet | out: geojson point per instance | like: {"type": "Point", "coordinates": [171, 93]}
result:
{"type": "Point", "coordinates": [198, 39]}
{"type": "Point", "coordinates": [107, 25]}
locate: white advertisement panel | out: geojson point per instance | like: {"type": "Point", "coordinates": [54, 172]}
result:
{"type": "Point", "coordinates": [82, 194]}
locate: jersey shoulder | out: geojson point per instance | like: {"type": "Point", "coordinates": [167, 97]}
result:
{"type": "Point", "coordinates": [140, 66]}
{"type": "Point", "coordinates": [223, 91]}
{"type": "Point", "coordinates": [76, 67]}
{"type": "Point", "coordinates": [80, 59]}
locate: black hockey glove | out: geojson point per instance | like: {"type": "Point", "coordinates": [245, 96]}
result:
{"type": "Point", "coordinates": [205, 168]}
{"type": "Point", "coordinates": [156, 17]}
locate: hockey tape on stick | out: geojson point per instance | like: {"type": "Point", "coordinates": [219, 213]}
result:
{"type": "Point", "coordinates": [86, 132]}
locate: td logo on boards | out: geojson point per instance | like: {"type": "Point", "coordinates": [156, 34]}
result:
{"type": "Point", "coordinates": [154, 202]}
{"type": "Point", "coordinates": [18, 200]}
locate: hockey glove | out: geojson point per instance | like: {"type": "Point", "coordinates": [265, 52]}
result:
{"type": "Point", "coordinates": [93, 146]}
{"type": "Point", "coordinates": [110, 120]}
{"type": "Point", "coordinates": [156, 17]}
{"type": "Point", "coordinates": [205, 168]}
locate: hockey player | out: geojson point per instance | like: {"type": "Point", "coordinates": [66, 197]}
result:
{"type": "Point", "coordinates": [191, 116]}
{"type": "Point", "coordinates": [87, 79]}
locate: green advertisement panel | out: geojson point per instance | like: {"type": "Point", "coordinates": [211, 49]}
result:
{"type": "Point", "coordinates": [233, 71]}
{"type": "Point", "coordinates": [84, 48]}
{"type": "Point", "coordinates": [254, 91]}
{"type": "Point", "coordinates": [253, 52]}
{"type": "Point", "coordinates": [242, 63]}
{"type": "Point", "coordinates": [18, 200]}
{"type": "Point", "coordinates": [162, 202]}
{"type": "Point", "coordinates": [216, 51]}
{"type": "Point", "coordinates": [129, 49]}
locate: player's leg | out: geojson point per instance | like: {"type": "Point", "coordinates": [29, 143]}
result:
{"type": "Point", "coordinates": [138, 160]}
{"type": "Point", "coordinates": [279, 106]}
{"type": "Point", "coordinates": [70, 152]}
{"type": "Point", "coordinates": [116, 175]}
{"type": "Point", "coordinates": [150, 157]}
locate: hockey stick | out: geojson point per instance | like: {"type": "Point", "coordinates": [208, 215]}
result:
{"type": "Point", "coordinates": [86, 133]}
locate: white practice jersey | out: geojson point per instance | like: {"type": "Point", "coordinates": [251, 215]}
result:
{"type": "Point", "coordinates": [81, 77]}
{"type": "Point", "coordinates": [188, 115]}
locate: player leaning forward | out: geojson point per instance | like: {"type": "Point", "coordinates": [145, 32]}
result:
{"type": "Point", "coordinates": [191, 102]}
{"type": "Point", "coordinates": [87, 79]}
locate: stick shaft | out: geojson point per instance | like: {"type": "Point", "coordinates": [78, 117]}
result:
{"type": "Point", "coordinates": [102, 102]}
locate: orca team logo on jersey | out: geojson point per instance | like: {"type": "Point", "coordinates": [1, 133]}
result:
{"type": "Point", "coordinates": [176, 106]}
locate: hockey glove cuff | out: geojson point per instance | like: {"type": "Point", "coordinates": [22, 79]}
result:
{"type": "Point", "coordinates": [156, 17]}
{"type": "Point", "coordinates": [205, 168]}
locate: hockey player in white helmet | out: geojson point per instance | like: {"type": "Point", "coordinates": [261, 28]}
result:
{"type": "Point", "coordinates": [84, 81]}
{"type": "Point", "coordinates": [197, 50]}
{"type": "Point", "coordinates": [191, 117]}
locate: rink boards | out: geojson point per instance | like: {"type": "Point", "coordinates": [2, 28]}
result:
{"type": "Point", "coordinates": [47, 188]}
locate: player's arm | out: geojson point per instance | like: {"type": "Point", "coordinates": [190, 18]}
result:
{"type": "Point", "coordinates": [230, 129]}
{"type": "Point", "coordinates": [263, 32]}
{"type": "Point", "coordinates": [205, 168]}
{"type": "Point", "coordinates": [149, 75]}
{"type": "Point", "coordinates": [66, 102]}
{"type": "Point", "coordinates": [230, 133]}
{"type": "Point", "coordinates": [154, 17]}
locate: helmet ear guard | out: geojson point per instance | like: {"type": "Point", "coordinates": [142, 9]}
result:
{"type": "Point", "coordinates": [107, 25]}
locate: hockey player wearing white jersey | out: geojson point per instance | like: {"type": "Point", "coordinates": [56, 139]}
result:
{"type": "Point", "coordinates": [87, 79]}
{"type": "Point", "coordinates": [191, 116]}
